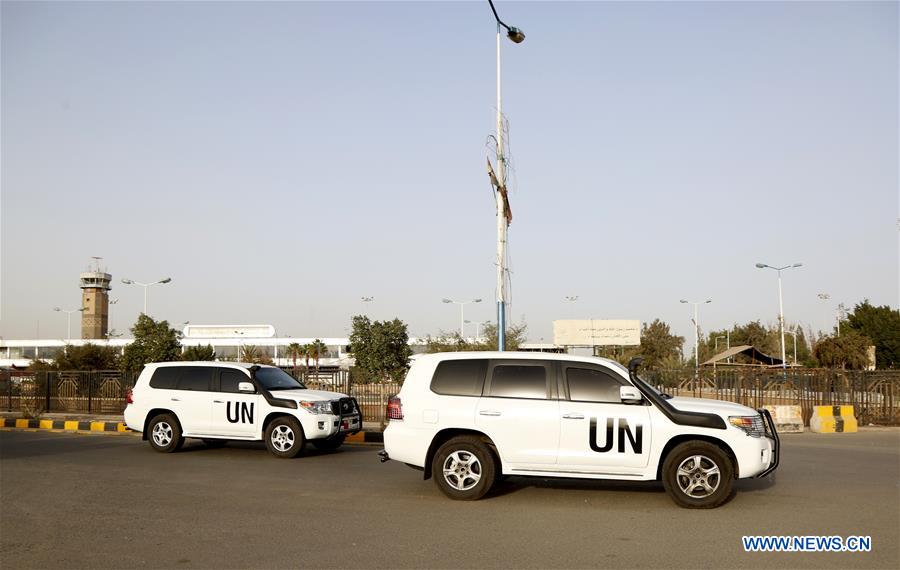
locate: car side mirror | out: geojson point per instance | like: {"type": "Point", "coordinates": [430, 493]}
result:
{"type": "Point", "coordinates": [246, 387]}
{"type": "Point", "coordinates": [630, 395]}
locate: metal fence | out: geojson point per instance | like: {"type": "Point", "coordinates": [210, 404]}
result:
{"type": "Point", "coordinates": [875, 395]}
{"type": "Point", "coordinates": [94, 392]}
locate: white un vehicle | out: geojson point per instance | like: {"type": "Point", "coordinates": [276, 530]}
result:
{"type": "Point", "coordinates": [469, 418]}
{"type": "Point", "coordinates": [219, 401]}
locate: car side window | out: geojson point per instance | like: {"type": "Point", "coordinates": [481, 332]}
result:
{"type": "Point", "coordinates": [518, 381]}
{"type": "Point", "coordinates": [165, 378]}
{"type": "Point", "coordinates": [459, 377]}
{"type": "Point", "coordinates": [592, 385]}
{"type": "Point", "coordinates": [195, 378]}
{"type": "Point", "coordinates": [229, 378]}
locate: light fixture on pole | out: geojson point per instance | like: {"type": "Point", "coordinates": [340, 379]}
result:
{"type": "Point", "coordinates": [68, 313]}
{"type": "Point", "coordinates": [367, 299]}
{"type": "Point", "coordinates": [111, 330]}
{"type": "Point", "coordinates": [462, 318]}
{"type": "Point", "coordinates": [696, 330]}
{"type": "Point", "coordinates": [571, 298]}
{"type": "Point", "coordinates": [498, 180]}
{"type": "Point", "coordinates": [780, 305]}
{"type": "Point", "coordinates": [146, 287]}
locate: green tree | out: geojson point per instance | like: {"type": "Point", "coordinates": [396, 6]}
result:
{"type": "Point", "coordinates": [453, 342]}
{"type": "Point", "coordinates": [659, 347]}
{"type": "Point", "coordinates": [882, 326]}
{"type": "Point", "coordinates": [199, 353]}
{"type": "Point", "coordinates": [846, 351]}
{"type": "Point", "coordinates": [381, 349]}
{"type": "Point", "coordinates": [154, 341]}
{"type": "Point", "coordinates": [87, 357]}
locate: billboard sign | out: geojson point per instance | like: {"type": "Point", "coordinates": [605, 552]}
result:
{"type": "Point", "coordinates": [597, 332]}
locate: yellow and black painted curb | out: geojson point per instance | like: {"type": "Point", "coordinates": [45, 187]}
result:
{"type": "Point", "coordinates": [66, 425]}
{"type": "Point", "coordinates": [120, 427]}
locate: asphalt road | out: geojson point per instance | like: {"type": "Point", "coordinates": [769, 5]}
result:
{"type": "Point", "coordinates": [106, 501]}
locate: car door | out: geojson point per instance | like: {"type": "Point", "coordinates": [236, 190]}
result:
{"type": "Point", "coordinates": [232, 412]}
{"type": "Point", "coordinates": [598, 432]}
{"type": "Point", "coordinates": [519, 411]}
{"type": "Point", "coordinates": [192, 397]}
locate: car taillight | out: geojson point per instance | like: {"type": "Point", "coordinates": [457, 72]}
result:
{"type": "Point", "coordinates": [394, 408]}
{"type": "Point", "coordinates": [129, 396]}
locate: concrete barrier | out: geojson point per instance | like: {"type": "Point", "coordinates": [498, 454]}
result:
{"type": "Point", "coordinates": [788, 419]}
{"type": "Point", "coordinates": [833, 419]}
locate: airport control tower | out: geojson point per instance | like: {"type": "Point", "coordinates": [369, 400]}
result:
{"type": "Point", "coordinates": [95, 301]}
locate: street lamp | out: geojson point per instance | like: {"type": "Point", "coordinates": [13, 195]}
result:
{"type": "Point", "coordinates": [146, 287]}
{"type": "Point", "coordinates": [696, 330]}
{"type": "Point", "coordinates": [571, 298]}
{"type": "Point", "coordinates": [839, 312]}
{"type": "Point", "coordinates": [780, 305]}
{"type": "Point", "coordinates": [504, 214]}
{"type": "Point", "coordinates": [462, 318]}
{"type": "Point", "coordinates": [68, 320]}
{"type": "Point", "coordinates": [367, 299]}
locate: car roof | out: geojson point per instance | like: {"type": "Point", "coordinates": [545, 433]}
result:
{"type": "Point", "coordinates": [244, 365]}
{"type": "Point", "coordinates": [508, 355]}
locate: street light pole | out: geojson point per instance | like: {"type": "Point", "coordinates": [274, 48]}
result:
{"type": "Point", "coordinates": [696, 304]}
{"type": "Point", "coordinates": [516, 36]}
{"type": "Point", "coordinates": [462, 316]}
{"type": "Point", "coordinates": [68, 320]}
{"type": "Point", "coordinates": [780, 305]}
{"type": "Point", "coordinates": [146, 287]}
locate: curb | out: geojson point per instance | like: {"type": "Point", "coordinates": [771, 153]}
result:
{"type": "Point", "coordinates": [66, 425]}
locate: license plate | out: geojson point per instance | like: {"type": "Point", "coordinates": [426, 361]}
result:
{"type": "Point", "coordinates": [349, 423]}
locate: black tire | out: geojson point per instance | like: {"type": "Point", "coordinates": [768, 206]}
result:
{"type": "Point", "coordinates": [698, 475]}
{"type": "Point", "coordinates": [472, 468]}
{"type": "Point", "coordinates": [329, 444]}
{"type": "Point", "coordinates": [214, 443]}
{"type": "Point", "coordinates": [164, 433]}
{"type": "Point", "coordinates": [284, 437]}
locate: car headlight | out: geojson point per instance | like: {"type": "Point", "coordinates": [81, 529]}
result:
{"type": "Point", "coordinates": [317, 407]}
{"type": "Point", "coordinates": [751, 425]}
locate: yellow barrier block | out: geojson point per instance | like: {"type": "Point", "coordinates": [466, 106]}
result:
{"type": "Point", "coordinates": [46, 424]}
{"type": "Point", "coordinates": [356, 438]}
{"type": "Point", "coordinates": [97, 426]}
{"type": "Point", "coordinates": [121, 427]}
{"type": "Point", "coordinates": [71, 425]}
{"type": "Point", "coordinates": [21, 423]}
{"type": "Point", "coordinates": [833, 419]}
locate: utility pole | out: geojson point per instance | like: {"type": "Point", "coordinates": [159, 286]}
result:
{"type": "Point", "coordinates": [503, 211]}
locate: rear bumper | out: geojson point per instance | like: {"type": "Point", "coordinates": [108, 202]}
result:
{"type": "Point", "coordinates": [771, 434]}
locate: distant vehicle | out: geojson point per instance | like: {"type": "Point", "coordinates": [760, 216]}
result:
{"type": "Point", "coordinates": [469, 418]}
{"type": "Point", "coordinates": [219, 401]}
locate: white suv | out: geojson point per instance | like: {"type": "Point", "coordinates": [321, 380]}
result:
{"type": "Point", "coordinates": [470, 418]}
{"type": "Point", "coordinates": [220, 401]}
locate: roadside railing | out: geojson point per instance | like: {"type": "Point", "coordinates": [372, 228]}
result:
{"type": "Point", "coordinates": [874, 395]}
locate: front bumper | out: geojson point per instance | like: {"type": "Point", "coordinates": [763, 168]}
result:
{"type": "Point", "coordinates": [772, 434]}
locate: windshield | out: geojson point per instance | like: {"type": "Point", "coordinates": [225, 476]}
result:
{"type": "Point", "coordinates": [277, 379]}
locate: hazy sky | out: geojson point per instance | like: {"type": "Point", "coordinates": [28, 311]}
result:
{"type": "Point", "coordinates": [281, 160]}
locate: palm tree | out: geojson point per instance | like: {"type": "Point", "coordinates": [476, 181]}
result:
{"type": "Point", "coordinates": [294, 350]}
{"type": "Point", "coordinates": [316, 349]}
{"type": "Point", "coordinates": [249, 353]}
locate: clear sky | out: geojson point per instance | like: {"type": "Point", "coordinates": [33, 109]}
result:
{"type": "Point", "coordinates": [281, 160]}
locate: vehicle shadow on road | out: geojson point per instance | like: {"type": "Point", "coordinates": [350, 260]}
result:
{"type": "Point", "coordinates": [512, 485]}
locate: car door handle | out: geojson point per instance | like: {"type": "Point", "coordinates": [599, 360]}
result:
{"type": "Point", "coordinates": [218, 402]}
{"type": "Point", "coordinates": [175, 400]}
{"type": "Point", "coordinates": [489, 413]}
{"type": "Point", "coordinates": [574, 416]}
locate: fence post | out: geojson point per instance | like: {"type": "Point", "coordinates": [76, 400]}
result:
{"type": "Point", "coordinates": [9, 392]}
{"type": "Point", "coordinates": [90, 381]}
{"type": "Point", "coordinates": [47, 382]}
